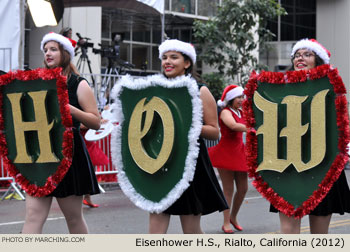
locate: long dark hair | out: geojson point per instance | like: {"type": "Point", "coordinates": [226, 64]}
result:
{"type": "Point", "coordinates": [230, 102]}
{"type": "Point", "coordinates": [191, 70]}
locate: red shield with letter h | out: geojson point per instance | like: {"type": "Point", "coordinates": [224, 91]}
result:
{"type": "Point", "coordinates": [36, 128]}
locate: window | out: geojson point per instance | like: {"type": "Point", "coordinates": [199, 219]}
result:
{"type": "Point", "coordinates": [184, 6]}
{"type": "Point", "coordinates": [208, 7]}
{"type": "Point", "coordinates": [140, 56]}
{"type": "Point", "coordinates": [300, 22]}
{"type": "Point", "coordinates": [141, 33]}
{"type": "Point", "coordinates": [166, 5]}
{"type": "Point", "coordinates": [155, 58]}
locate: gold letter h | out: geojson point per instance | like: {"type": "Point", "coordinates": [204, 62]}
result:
{"type": "Point", "coordinates": [40, 125]}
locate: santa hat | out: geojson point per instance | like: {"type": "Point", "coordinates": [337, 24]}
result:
{"type": "Point", "coordinates": [74, 43]}
{"type": "Point", "coordinates": [313, 45]}
{"type": "Point", "coordinates": [178, 46]}
{"type": "Point", "coordinates": [230, 92]}
{"type": "Point", "coordinates": [65, 42]}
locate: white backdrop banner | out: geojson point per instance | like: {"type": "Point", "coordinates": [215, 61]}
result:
{"type": "Point", "coordinates": [156, 4]}
{"type": "Point", "coordinates": [10, 34]}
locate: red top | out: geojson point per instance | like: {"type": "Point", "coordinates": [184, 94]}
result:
{"type": "Point", "coordinates": [229, 152]}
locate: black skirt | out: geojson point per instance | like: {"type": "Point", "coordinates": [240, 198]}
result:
{"type": "Point", "coordinates": [80, 178]}
{"type": "Point", "coordinates": [204, 195]}
{"type": "Point", "coordinates": [336, 201]}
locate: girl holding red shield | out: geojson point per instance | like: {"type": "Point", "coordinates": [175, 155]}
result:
{"type": "Point", "coordinates": [306, 55]}
{"type": "Point", "coordinates": [80, 179]}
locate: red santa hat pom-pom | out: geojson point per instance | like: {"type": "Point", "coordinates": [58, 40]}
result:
{"type": "Point", "coordinates": [74, 43]}
{"type": "Point", "coordinates": [230, 92]}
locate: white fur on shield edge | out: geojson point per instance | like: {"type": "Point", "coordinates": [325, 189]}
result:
{"type": "Point", "coordinates": [193, 135]}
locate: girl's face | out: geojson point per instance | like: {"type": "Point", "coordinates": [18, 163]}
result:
{"type": "Point", "coordinates": [304, 59]}
{"type": "Point", "coordinates": [174, 64]}
{"type": "Point", "coordinates": [69, 34]}
{"type": "Point", "coordinates": [237, 102]}
{"type": "Point", "coordinates": [52, 54]}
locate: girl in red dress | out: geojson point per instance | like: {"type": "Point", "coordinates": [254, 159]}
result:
{"type": "Point", "coordinates": [228, 155]}
{"type": "Point", "coordinates": [97, 157]}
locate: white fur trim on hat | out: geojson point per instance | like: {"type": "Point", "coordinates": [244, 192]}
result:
{"type": "Point", "coordinates": [178, 46]}
{"type": "Point", "coordinates": [233, 93]}
{"type": "Point", "coordinates": [221, 103]}
{"type": "Point", "coordinates": [230, 95]}
{"type": "Point", "coordinates": [67, 45]}
{"type": "Point", "coordinates": [314, 46]}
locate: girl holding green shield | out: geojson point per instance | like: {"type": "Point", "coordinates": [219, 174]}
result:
{"type": "Point", "coordinates": [204, 194]}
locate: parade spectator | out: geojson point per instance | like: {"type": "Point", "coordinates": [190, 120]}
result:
{"type": "Point", "coordinates": [68, 32]}
{"type": "Point", "coordinates": [204, 194]}
{"type": "Point", "coordinates": [307, 54]}
{"type": "Point", "coordinates": [80, 178]}
{"type": "Point", "coordinates": [228, 155]}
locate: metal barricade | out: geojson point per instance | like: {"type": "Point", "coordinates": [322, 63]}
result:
{"type": "Point", "coordinates": [13, 187]}
{"type": "Point", "coordinates": [103, 86]}
{"type": "Point", "coordinates": [210, 143]}
{"type": "Point", "coordinates": [106, 173]}
{"type": "Point", "coordinates": [5, 59]}
{"type": "Point", "coordinates": [104, 83]}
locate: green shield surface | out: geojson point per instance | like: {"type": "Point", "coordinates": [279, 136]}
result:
{"type": "Point", "coordinates": [299, 146]}
{"type": "Point", "coordinates": [156, 141]}
{"type": "Point", "coordinates": [38, 144]}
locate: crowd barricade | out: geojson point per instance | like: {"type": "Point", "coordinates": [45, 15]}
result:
{"type": "Point", "coordinates": [6, 181]}
{"type": "Point", "coordinates": [106, 173]}
{"type": "Point", "coordinates": [210, 143]}
{"type": "Point", "coordinates": [6, 59]}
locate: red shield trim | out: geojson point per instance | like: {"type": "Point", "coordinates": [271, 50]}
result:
{"type": "Point", "coordinates": [343, 138]}
{"type": "Point", "coordinates": [67, 151]}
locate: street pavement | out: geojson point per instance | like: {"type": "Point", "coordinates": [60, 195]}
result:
{"type": "Point", "coordinates": [118, 215]}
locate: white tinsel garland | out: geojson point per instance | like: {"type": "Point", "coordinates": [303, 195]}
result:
{"type": "Point", "coordinates": [193, 135]}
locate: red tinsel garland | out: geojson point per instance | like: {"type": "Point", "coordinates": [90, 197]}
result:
{"type": "Point", "coordinates": [343, 139]}
{"type": "Point", "coordinates": [67, 145]}
{"type": "Point", "coordinates": [271, 77]}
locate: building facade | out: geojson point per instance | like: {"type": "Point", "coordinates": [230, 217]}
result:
{"type": "Point", "coordinates": [326, 21]}
{"type": "Point", "coordinates": [139, 32]}
{"type": "Point", "coordinates": [135, 32]}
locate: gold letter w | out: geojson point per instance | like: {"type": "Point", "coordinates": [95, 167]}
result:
{"type": "Point", "coordinates": [293, 131]}
{"type": "Point", "coordinates": [40, 125]}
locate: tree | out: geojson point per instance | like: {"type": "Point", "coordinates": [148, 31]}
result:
{"type": "Point", "coordinates": [216, 83]}
{"type": "Point", "coordinates": [228, 40]}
